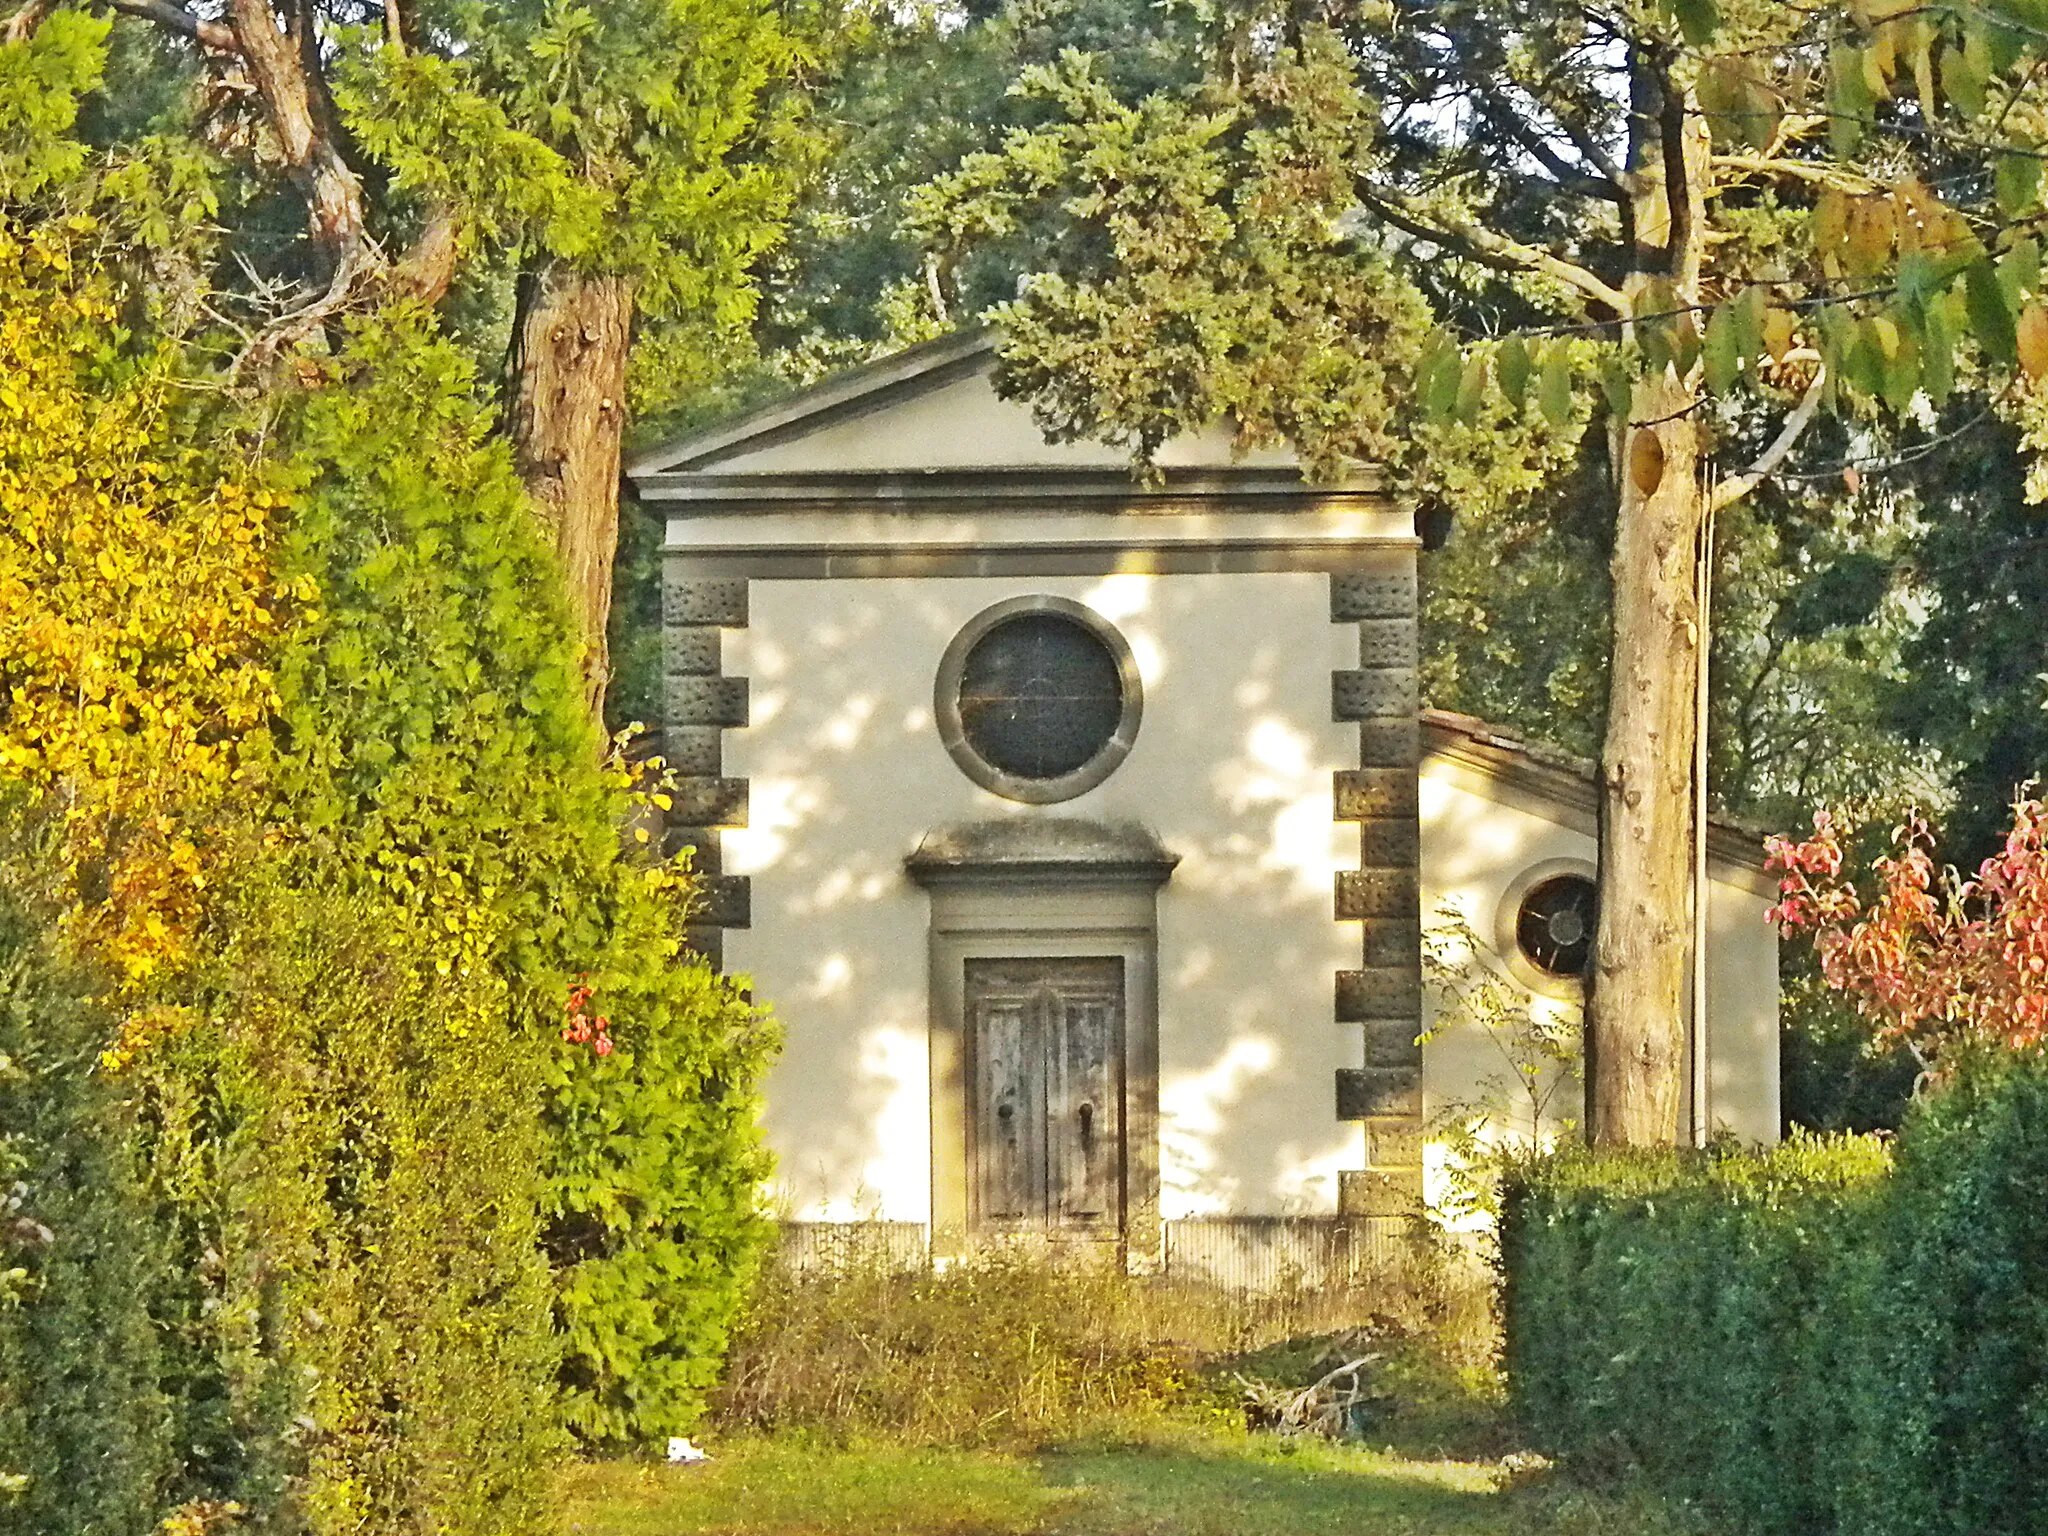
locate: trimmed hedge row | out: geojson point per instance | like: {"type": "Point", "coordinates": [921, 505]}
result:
{"type": "Point", "coordinates": [1834, 1335]}
{"type": "Point", "coordinates": [89, 1441]}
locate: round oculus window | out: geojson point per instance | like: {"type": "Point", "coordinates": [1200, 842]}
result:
{"type": "Point", "coordinates": [1038, 699]}
{"type": "Point", "coordinates": [1554, 926]}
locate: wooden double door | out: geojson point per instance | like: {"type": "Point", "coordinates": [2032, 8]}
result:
{"type": "Point", "coordinates": [1045, 1081]}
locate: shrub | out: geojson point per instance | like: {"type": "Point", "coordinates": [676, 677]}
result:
{"type": "Point", "coordinates": [88, 1441]}
{"type": "Point", "coordinates": [306, 740]}
{"type": "Point", "coordinates": [437, 746]}
{"type": "Point", "coordinates": [1806, 1339]}
{"type": "Point", "coordinates": [352, 1141]}
{"type": "Point", "coordinates": [1954, 1436]}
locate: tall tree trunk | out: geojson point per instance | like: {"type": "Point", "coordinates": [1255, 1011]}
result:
{"type": "Point", "coordinates": [1634, 1020]}
{"type": "Point", "coordinates": [569, 416]}
{"type": "Point", "coordinates": [1635, 1011]}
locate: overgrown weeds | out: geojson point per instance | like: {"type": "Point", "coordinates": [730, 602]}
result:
{"type": "Point", "coordinates": [1013, 1350]}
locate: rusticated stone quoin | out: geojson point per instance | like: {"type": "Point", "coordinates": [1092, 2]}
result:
{"type": "Point", "coordinates": [1388, 642]}
{"type": "Point", "coordinates": [699, 703]}
{"type": "Point", "coordinates": [1383, 997]}
{"type": "Point", "coordinates": [718, 603]}
{"type": "Point", "coordinates": [1373, 1093]}
{"type": "Point", "coordinates": [1391, 1043]}
{"type": "Point", "coordinates": [1390, 842]}
{"type": "Point", "coordinates": [1389, 593]}
{"type": "Point", "coordinates": [705, 700]}
{"type": "Point", "coordinates": [726, 901]}
{"type": "Point", "coordinates": [1379, 1192]}
{"type": "Point", "coordinates": [1367, 893]}
{"type": "Point", "coordinates": [706, 858]}
{"type": "Point", "coordinates": [691, 650]}
{"type": "Point", "coordinates": [1381, 992]}
{"type": "Point", "coordinates": [694, 751]}
{"type": "Point", "coordinates": [1393, 942]}
{"type": "Point", "coordinates": [1389, 743]}
{"type": "Point", "coordinates": [1363, 793]}
{"type": "Point", "coordinates": [1380, 693]}
{"type": "Point", "coordinates": [1394, 1144]}
{"type": "Point", "coordinates": [710, 802]}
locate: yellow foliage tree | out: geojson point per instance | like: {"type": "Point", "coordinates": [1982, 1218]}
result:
{"type": "Point", "coordinates": [138, 607]}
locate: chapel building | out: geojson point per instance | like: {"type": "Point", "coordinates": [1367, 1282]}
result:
{"type": "Point", "coordinates": [1082, 831]}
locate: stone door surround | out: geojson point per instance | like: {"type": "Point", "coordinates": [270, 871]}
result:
{"type": "Point", "coordinates": [1039, 887]}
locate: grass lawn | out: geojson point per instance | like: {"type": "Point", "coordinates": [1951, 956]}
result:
{"type": "Point", "coordinates": [1173, 1482]}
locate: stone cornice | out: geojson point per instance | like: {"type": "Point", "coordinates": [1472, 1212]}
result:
{"type": "Point", "coordinates": [1108, 490]}
{"type": "Point", "coordinates": [1029, 848]}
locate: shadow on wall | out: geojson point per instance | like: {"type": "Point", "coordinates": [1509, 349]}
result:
{"type": "Point", "coordinates": [1232, 767]}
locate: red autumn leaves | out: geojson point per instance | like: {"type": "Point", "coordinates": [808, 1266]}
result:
{"type": "Point", "coordinates": [1933, 958]}
{"type": "Point", "coordinates": [583, 1027]}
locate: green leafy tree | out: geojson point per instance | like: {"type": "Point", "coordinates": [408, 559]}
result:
{"type": "Point", "coordinates": [583, 178]}
{"type": "Point", "coordinates": [1428, 234]}
{"type": "Point", "coordinates": [1977, 688]}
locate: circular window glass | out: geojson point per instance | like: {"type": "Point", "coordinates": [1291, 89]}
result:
{"type": "Point", "coordinates": [1038, 699]}
{"type": "Point", "coordinates": [1554, 925]}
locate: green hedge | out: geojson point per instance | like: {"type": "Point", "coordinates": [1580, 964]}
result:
{"type": "Point", "coordinates": [1835, 1335]}
{"type": "Point", "coordinates": [88, 1440]}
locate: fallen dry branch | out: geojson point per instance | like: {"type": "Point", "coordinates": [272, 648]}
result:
{"type": "Point", "coordinates": [1329, 1408]}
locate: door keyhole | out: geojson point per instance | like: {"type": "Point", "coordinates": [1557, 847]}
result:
{"type": "Point", "coordinates": [1088, 1127]}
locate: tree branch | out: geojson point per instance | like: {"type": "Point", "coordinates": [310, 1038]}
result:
{"type": "Point", "coordinates": [300, 117]}
{"type": "Point", "coordinates": [1502, 112]}
{"type": "Point", "coordinates": [208, 34]}
{"type": "Point", "coordinates": [21, 26]}
{"type": "Point", "coordinates": [428, 268]}
{"type": "Point", "coordinates": [1800, 170]}
{"type": "Point", "coordinates": [1678, 190]}
{"type": "Point", "coordinates": [1583, 140]}
{"type": "Point", "coordinates": [401, 26]}
{"type": "Point", "coordinates": [1730, 491]}
{"type": "Point", "coordinates": [1485, 246]}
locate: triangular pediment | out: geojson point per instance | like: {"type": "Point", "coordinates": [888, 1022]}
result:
{"type": "Point", "coordinates": [930, 407]}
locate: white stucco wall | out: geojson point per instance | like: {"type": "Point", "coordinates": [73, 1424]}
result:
{"type": "Point", "coordinates": [1231, 768]}
{"type": "Point", "coordinates": [1476, 844]}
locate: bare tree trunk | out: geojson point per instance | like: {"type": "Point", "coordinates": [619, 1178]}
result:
{"type": "Point", "coordinates": [1634, 1024]}
{"type": "Point", "coordinates": [1646, 850]}
{"type": "Point", "coordinates": [569, 415]}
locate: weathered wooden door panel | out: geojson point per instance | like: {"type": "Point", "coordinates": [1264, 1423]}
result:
{"type": "Point", "coordinates": [1009, 1046]}
{"type": "Point", "coordinates": [1084, 1105]}
{"type": "Point", "coordinates": [1045, 1115]}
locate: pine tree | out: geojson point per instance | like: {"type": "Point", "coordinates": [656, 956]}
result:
{"type": "Point", "coordinates": [1432, 233]}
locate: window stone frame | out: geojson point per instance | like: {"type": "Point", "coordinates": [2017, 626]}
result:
{"type": "Point", "coordinates": [953, 730]}
{"type": "Point", "coordinates": [1507, 920]}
